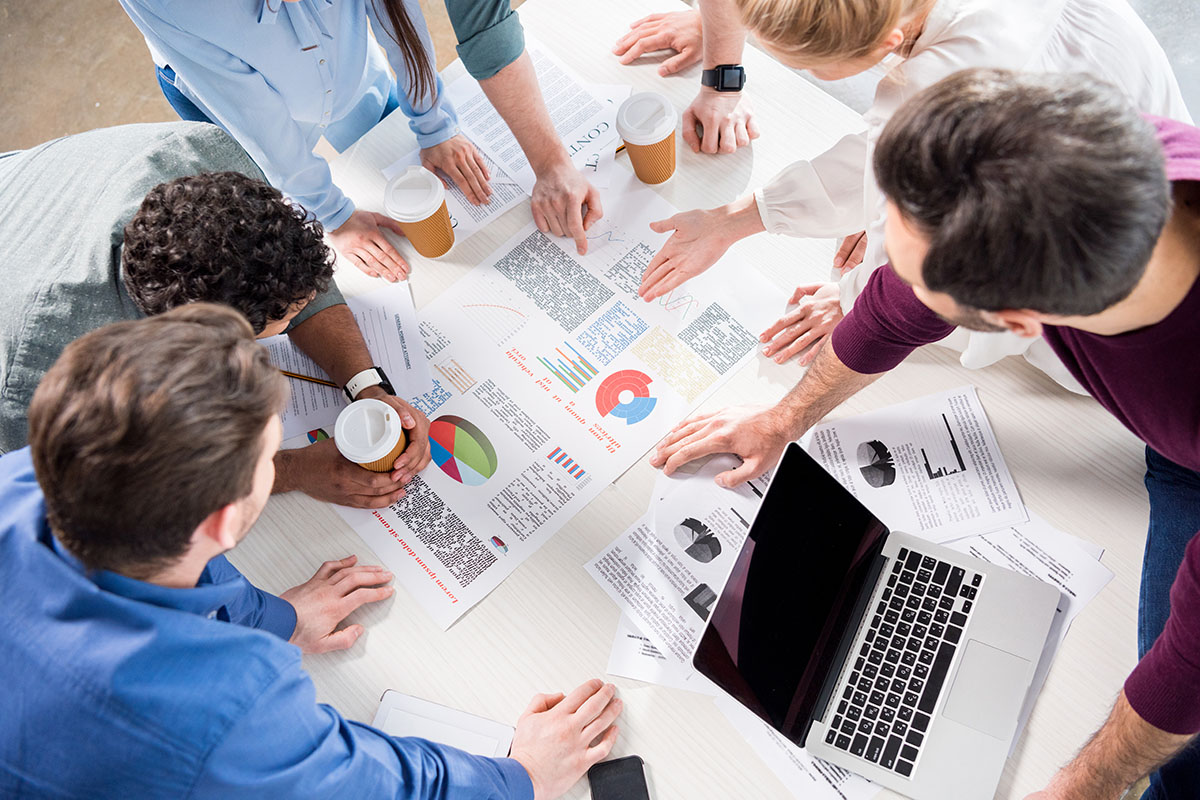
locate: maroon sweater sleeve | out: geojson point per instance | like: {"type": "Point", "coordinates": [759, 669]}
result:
{"type": "Point", "coordinates": [1164, 688]}
{"type": "Point", "coordinates": [886, 323]}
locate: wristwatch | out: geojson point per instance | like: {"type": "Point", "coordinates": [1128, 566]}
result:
{"type": "Point", "coordinates": [375, 376]}
{"type": "Point", "coordinates": [725, 78]}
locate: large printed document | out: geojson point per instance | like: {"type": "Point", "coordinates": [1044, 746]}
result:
{"type": "Point", "coordinates": [929, 467]}
{"type": "Point", "coordinates": [550, 378]}
{"type": "Point", "coordinates": [388, 322]}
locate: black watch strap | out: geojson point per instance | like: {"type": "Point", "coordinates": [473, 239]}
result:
{"type": "Point", "coordinates": [724, 78]}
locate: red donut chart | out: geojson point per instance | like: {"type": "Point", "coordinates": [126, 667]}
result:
{"type": "Point", "coordinates": [608, 396]}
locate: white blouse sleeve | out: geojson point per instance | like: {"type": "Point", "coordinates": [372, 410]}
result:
{"type": "Point", "coordinates": [821, 198]}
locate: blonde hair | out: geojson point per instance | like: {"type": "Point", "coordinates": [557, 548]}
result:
{"type": "Point", "coordinates": [826, 30]}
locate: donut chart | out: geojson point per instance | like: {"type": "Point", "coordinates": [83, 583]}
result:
{"type": "Point", "coordinates": [461, 450]}
{"type": "Point", "coordinates": [637, 407]}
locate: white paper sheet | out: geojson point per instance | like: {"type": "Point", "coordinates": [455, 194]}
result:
{"type": "Point", "coordinates": [1040, 550]}
{"type": "Point", "coordinates": [585, 122]}
{"type": "Point", "coordinates": [635, 656]}
{"type": "Point", "coordinates": [466, 218]}
{"type": "Point", "coordinates": [388, 321]}
{"type": "Point", "coordinates": [804, 776]}
{"type": "Point", "coordinates": [550, 379]}
{"type": "Point", "coordinates": [598, 161]}
{"type": "Point", "coordinates": [929, 467]}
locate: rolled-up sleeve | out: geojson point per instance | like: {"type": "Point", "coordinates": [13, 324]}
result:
{"type": "Point", "coordinates": [330, 297]}
{"type": "Point", "coordinates": [1164, 688]}
{"type": "Point", "coordinates": [490, 36]}
{"type": "Point", "coordinates": [886, 324]}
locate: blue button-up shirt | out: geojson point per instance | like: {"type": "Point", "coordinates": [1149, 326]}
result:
{"type": "Point", "coordinates": [113, 687]}
{"type": "Point", "coordinates": [278, 76]}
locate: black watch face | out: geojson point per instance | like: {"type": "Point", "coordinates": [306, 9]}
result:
{"type": "Point", "coordinates": [731, 79]}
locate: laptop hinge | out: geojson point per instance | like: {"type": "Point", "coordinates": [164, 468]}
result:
{"type": "Point", "coordinates": [843, 649]}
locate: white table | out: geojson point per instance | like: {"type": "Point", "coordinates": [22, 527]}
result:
{"type": "Point", "coordinates": [549, 626]}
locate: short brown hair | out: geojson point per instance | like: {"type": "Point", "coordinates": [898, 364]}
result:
{"type": "Point", "coordinates": [1045, 192]}
{"type": "Point", "coordinates": [142, 429]}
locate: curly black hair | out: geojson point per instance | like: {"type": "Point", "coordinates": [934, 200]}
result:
{"type": "Point", "coordinates": [221, 237]}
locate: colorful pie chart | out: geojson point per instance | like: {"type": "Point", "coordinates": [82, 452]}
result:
{"type": "Point", "coordinates": [626, 395]}
{"type": "Point", "coordinates": [461, 450]}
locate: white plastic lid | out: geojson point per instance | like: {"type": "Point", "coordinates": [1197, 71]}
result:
{"type": "Point", "coordinates": [646, 118]}
{"type": "Point", "coordinates": [367, 430]}
{"type": "Point", "coordinates": [413, 195]}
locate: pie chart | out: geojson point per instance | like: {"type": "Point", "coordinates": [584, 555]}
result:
{"type": "Point", "coordinates": [626, 395]}
{"type": "Point", "coordinates": [461, 450]}
{"type": "Point", "coordinates": [876, 464]}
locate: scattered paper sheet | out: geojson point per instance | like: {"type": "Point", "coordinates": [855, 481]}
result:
{"type": "Point", "coordinates": [667, 570]}
{"type": "Point", "coordinates": [635, 656]}
{"type": "Point", "coordinates": [929, 467]}
{"type": "Point", "coordinates": [466, 218]}
{"type": "Point", "coordinates": [388, 321]}
{"type": "Point", "coordinates": [550, 378]}
{"type": "Point", "coordinates": [584, 122]}
{"type": "Point", "coordinates": [1040, 550]}
{"type": "Point", "coordinates": [804, 776]}
{"type": "Point", "coordinates": [599, 160]}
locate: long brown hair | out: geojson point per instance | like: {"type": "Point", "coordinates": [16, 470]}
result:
{"type": "Point", "coordinates": [422, 82]}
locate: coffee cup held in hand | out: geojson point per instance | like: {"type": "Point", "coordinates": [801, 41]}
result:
{"type": "Point", "coordinates": [416, 199]}
{"type": "Point", "coordinates": [647, 122]}
{"type": "Point", "coordinates": [369, 433]}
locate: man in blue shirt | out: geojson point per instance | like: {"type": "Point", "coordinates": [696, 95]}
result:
{"type": "Point", "coordinates": [137, 662]}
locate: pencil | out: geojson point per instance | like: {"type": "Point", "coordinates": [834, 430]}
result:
{"type": "Point", "coordinates": [619, 149]}
{"type": "Point", "coordinates": [300, 377]}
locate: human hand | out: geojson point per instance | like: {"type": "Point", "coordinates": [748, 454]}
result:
{"type": "Point", "coordinates": [416, 454]}
{"type": "Point", "coordinates": [755, 434]}
{"type": "Point", "coordinates": [818, 310]}
{"type": "Point", "coordinates": [700, 238]}
{"type": "Point", "coordinates": [458, 158]}
{"type": "Point", "coordinates": [678, 30]}
{"type": "Point", "coordinates": [851, 253]}
{"type": "Point", "coordinates": [726, 120]}
{"type": "Point", "coordinates": [363, 244]}
{"type": "Point", "coordinates": [321, 472]}
{"type": "Point", "coordinates": [558, 200]}
{"type": "Point", "coordinates": [559, 737]}
{"type": "Point", "coordinates": [328, 597]}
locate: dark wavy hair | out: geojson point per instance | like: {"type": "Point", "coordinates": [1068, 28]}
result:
{"type": "Point", "coordinates": [221, 237]}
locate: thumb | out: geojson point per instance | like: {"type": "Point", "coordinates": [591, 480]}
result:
{"type": "Point", "coordinates": [674, 63]}
{"type": "Point", "coordinates": [736, 477]}
{"type": "Point", "coordinates": [384, 221]}
{"type": "Point", "coordinates": [543, 702]}
{"type": "Point", "coordinates": [804, 290]}
{"type": "Point", "coordinates": [664, 225]}
{"type": "Point", "coordinates": [340, 640]}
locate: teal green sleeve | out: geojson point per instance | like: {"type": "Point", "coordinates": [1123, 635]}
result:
{"type": "Point", "coordinates": [330, 297]}
{"type": "Point", "coordinates": [489, 34]}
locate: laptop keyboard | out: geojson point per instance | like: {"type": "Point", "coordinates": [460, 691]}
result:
{"type": "Point", "coordinates": [884, 710]}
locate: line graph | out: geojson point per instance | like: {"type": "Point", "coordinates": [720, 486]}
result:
{"type": "Point", "coordinates": [497, 313]}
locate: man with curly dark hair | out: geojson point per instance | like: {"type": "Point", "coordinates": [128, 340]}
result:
{"type": "Point", "coordinates": [126, 222]}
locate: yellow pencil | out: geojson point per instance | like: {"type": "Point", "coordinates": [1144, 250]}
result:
{"type": "Point", "coordinates": [300, 377]}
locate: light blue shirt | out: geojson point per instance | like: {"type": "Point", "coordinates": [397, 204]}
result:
{"type": "Point", "coordinates": [111, 687]}
{"type": "Point", "coordinates": [278, 76]}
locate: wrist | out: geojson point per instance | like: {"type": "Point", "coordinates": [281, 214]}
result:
{"type": "Point", "coordinates": [284, 472]}
{"type": "Point", "coordinates": [549, 159]}
{"type": "Point", "coordinates": [376, 391]}
{"type": "Point", "coordinates": [741, 219]}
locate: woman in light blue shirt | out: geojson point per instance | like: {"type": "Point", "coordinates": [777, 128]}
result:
{"type": "Point", "coordinates": [280, 74]}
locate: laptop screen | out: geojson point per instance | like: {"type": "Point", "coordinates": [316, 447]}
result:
{"type": "Point", "coordinates": [774, 634]}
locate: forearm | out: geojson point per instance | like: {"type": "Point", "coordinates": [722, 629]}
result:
{"type": "Point", "coordinates": [724, 36]}
{"type": "Point", "coordinates": [742, 218]}
{"type": "Point", "coordinates": [1125, 749]}
{"type": "Point", "coordinates": [332, 339]}
{"type": "Point", "coordinates": [827, 384]}
{"type": "Point", "coordinates": [516, 96]}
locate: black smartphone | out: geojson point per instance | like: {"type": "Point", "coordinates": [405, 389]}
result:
{"type": "Point", "coordinates": [619, 779]}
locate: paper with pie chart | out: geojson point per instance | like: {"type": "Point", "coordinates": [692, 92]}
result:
{"type": "Point", "coordinates": [551, 377]}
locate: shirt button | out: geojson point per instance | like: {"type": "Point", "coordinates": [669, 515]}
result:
{"type": "Point", "coordinates": [322, 61]}
{"type": "Point", "coordinates": [329, 91]}
{"type": "Point", "coordinates": [327, 113]}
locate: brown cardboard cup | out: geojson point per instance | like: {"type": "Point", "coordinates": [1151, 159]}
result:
{"type": "Point", "coordinates": [369, 433]}
{"type": "Point", "coordinates": [646, 122]}
{"type": "Point", "coordinates": [416, 199]}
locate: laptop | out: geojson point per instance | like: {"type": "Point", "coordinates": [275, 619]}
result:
{"type": "Point", "coordinates": [880, 652]}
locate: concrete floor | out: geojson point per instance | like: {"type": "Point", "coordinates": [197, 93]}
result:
{"type": "Point", "coordinates": [71, 67]}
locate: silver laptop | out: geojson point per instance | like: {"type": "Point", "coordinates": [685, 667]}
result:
{"type": "Point", "coordinates": [882, 653]}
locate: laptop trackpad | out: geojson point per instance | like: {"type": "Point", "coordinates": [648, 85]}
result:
{"type": "Point", "coordinates": [989, 690]}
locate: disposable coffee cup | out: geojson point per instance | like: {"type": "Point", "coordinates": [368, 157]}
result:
{"type": "Point", "coordinates": [368, 432]}
{"type": "Point", "coordinates": [646, 122]}
{"type": "Point", "coordinates": [416, 199]}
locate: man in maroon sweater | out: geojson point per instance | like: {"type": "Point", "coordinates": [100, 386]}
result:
{"type": "Point", "coordinates": [1045, 206]}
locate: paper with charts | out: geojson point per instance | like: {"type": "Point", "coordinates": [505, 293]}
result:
{"type": "Point", "coordinates": [550, 379]}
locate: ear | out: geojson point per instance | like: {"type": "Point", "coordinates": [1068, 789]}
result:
{"type": "Point", "coordinates": [219, 529]}
{"type": "Point", "coordinates": [1024, 323]}
{"type": "Point", "coordinates": [889, 43]}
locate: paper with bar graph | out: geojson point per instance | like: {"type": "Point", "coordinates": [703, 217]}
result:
{"type": "Point", "coordinates": [550, 378]}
